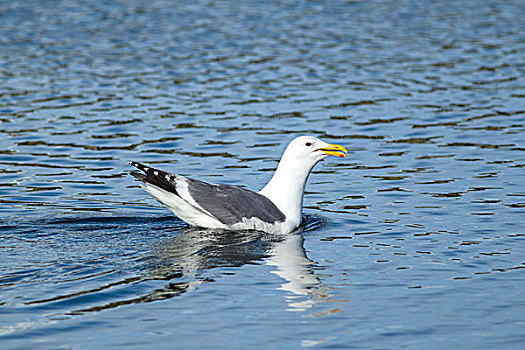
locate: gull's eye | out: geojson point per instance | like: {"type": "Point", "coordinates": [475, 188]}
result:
{"type": "Point", "coordinates": [308, 144]}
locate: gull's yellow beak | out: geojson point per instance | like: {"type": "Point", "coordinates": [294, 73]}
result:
{"type": "Point", "coordinates": [334, 150]}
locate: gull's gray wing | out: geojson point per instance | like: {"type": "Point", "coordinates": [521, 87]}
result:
{"type": "Point", "coordinates": [228, 204]}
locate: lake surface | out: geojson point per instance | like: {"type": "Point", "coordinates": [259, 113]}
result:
{"type": "Point", "coordinates": [414, 241]}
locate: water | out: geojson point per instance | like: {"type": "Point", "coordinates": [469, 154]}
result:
{"type": "Point", "coordinates": [413, 241]}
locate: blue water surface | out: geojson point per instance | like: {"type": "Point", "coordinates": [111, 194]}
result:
{"type": "Point", "coordinates": [414, 241]}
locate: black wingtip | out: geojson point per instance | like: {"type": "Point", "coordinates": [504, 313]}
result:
{"type": "Point", "coordinates": [140, 166]}
{"type": "Point", "coordinates": [154, 176]}
{"type": "Point", "coordinates": [138, 175]}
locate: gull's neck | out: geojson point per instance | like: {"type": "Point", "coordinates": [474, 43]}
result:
{"type": "Point", "coordinates": [286, 188]}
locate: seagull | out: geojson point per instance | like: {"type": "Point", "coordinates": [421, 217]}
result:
{"type": "Point", "coordinates": [277, 208]}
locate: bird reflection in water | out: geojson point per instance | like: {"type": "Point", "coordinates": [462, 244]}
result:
{"type": "Point", "coordinates": [191, 256]}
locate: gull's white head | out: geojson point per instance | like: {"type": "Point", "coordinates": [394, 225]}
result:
{"type": "Point", "coordinates": [309, 150]}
